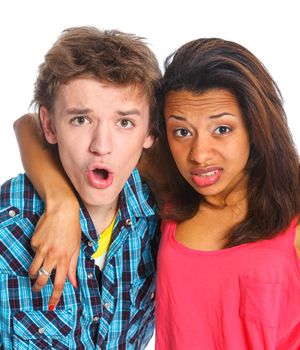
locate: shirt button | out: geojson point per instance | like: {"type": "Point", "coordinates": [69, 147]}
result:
{"type": "Point", "coordinates": [90, 276]}
{"type": "Point", "coordinates": [41, 330]}
{"type": "Point", "coordinates": [107, 305]}
{"type": "Point", "coordinates": [96, 318]}
{"type": "Point", "coordinates": [90, 244]}
{"type": "Point", "coordinates": [152, 296]}
{"type": "Point", "coordinates": [12, 213]}
{"type": "Point", "coordinates": [128, 222]}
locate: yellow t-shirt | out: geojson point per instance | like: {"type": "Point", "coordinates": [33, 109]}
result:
{"type": "Point", "coordinates": [103, 245]}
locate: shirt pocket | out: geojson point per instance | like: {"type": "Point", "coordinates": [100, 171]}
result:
{"type": "Point", "coordinates": [15, 237]}
{"type": "Point", "coordinates": [142, 292]}
{"type": "Point", "coordinates": [8, 215]}
{"type": "Point", "coordinates": [260, 302]}
{"type": "Point", "coordinates": [41, 329]}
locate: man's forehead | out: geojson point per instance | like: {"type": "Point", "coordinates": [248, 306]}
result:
{"type": "Point", "coordinates": [129, 91]}
{"type": "Point", "coordinates": [88, 95]}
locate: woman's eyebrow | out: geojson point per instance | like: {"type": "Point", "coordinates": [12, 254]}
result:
{"type": "Point", "coordinates": [214, 116]}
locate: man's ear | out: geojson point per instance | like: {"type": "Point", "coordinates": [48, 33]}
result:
{"type": "Point", "coordinates": [149, 139]}
{"type": "Point", "coordinates": [47, 124]}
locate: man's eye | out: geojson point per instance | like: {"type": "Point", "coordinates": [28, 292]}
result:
{"type": "Point", "coordinates": [126, 123]}
{"type": "Point", "coordinates": [182, 132]}
{"type": "Point", "coordinates": [222, 130]}
{"type": "Point", "coordinates": [81, 120]}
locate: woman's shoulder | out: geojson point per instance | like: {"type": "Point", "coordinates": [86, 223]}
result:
{"type": "Point", "coordinates": [167, 223]}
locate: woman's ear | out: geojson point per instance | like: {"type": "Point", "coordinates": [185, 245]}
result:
{"type": "Point", "coordinates": [47, 125]}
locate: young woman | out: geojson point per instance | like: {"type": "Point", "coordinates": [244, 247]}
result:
{"type": "Point", "coordinates": [228, 263]}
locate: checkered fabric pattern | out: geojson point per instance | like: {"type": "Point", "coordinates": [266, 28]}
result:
{"type": "Point", "coordinates": [118, 315]}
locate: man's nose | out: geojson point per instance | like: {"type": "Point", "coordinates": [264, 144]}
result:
{"type": "Point", "coordinates": [101, 141]}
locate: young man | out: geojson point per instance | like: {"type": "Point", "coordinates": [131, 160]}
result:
{"type": "Point", "coordinates": [95, 97]}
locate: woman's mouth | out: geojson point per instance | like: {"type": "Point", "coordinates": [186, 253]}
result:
{"type": "Point", "coordinates": [206, 177]}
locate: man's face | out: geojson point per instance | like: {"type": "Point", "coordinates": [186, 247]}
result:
{"type": "Point", "coordinates": [101, 129]}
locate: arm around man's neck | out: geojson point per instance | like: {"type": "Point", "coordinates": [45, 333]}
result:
{"type": "Point", "coordinates": [41, 162]}
{"type": "Point", "coordinates": [57, 237]}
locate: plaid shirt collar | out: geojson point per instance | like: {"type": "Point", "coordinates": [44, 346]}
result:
{"type": "Point", "coordinates": [132, 204]}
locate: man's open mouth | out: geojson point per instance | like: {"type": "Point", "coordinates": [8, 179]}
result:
{"type": "Point", "coordinates": [99, 177]}
{"type": "Point", "coordinates": [101, 173]}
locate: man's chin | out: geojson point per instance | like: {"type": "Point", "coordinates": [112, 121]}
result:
{"type": "Point", "coordinates": [99, 197]}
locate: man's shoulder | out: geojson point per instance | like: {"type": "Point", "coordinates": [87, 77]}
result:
{"type": "Point", "coordinates": [18, 192]}
{"type": "Point", "coordinates": [138, 196]}
{"type": "Point", "coordinates": [20, 210]}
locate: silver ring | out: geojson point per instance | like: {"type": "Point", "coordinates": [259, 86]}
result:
{"type": "Point", "coordinates": [43, 271]}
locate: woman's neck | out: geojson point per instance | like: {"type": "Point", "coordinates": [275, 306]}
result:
{"type": "Point", "coordinates": [209, 228]}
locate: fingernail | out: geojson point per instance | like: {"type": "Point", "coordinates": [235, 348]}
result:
{"type": "Point", "coordinates": [51, 307]}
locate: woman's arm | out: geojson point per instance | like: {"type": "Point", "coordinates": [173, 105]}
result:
{"type": "Point", "coordinates": [56, 240]}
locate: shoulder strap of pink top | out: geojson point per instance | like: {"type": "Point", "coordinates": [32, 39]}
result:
{"type": "Point", "coordinates": [291, 231]}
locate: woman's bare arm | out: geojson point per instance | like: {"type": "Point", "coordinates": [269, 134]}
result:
{"type": "Point", "coordinates": [56, 240]}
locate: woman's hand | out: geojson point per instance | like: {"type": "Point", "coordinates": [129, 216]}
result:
{"type": "Point", "coordinates": [56, 243]}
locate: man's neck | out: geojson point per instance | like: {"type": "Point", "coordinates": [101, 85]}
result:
{"type": "Point", "coordinates": [102, 216]}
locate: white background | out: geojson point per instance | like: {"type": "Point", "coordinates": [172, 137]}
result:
{"type": "Point", "coordinates": [270, 29]}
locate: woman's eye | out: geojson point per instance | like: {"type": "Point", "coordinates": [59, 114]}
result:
{"type": "Point", "coordinates": [81, 120]}
{"type": "Point", "coordinates": [222, 130]}
{"type": "Point", "coordinates": [182, 133]}
{"type": "Point", "coordinates": [126, 123]}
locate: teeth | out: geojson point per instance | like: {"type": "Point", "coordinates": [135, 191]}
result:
{"type": "Point", "coordinates": [209, 174]}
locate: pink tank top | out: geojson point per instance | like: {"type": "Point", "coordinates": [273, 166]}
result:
{"type": "Point", "coordinates": [244, 297]}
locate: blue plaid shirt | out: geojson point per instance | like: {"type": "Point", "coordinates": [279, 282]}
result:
{"type": "Point", "coordinates": [119, 315]}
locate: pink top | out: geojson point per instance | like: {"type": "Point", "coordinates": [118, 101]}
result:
{"type": "Point", "coordinates": [244, 297]}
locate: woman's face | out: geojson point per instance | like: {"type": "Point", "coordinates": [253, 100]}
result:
{"type": "Point", "coordinates": [208, 140]}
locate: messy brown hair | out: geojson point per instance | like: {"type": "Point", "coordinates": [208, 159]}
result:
{"type": "Point", "coordinates": [273, 164]}
{"type": "Point", "coordinates": [111, 56]}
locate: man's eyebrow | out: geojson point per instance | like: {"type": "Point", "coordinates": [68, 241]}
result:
{"type": "Point", "coordinates": [76, 110]}
{"type": "Point", "coordinates": [214, 116]}
{"type": "Point", "coordinates": [129, 112]}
